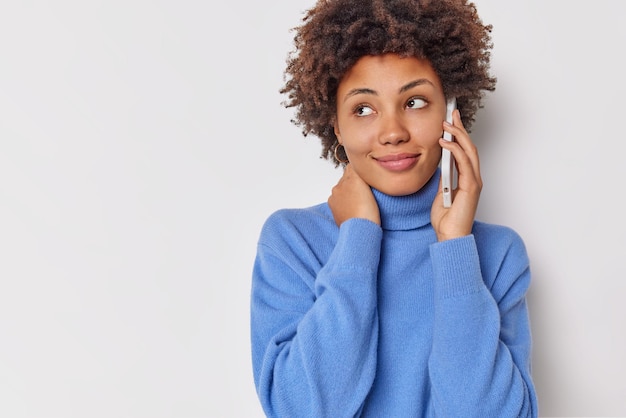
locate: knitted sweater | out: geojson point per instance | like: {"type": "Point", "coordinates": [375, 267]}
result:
{"type": "Point", "coordinates": [384, 321]}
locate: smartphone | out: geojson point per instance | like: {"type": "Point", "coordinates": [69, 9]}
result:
{"type": "Point", "coordinates": [449, 174]}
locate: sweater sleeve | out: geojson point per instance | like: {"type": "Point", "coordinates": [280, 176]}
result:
{"type": "Point", "coordinates": [480, 360]}
{"type": "Point", "coordinates": [314, 334]}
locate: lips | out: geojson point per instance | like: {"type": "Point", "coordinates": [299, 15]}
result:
{"type": "Point", "coordinates": [397, 162]}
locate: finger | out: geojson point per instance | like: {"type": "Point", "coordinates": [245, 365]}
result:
{"type": "Point", "coordinates": [350, 174]}
{"type": "Point", "coordinates": [461, 135]}
{"type": "Point", "coordinates": [469, 173]}
{"type": "Point", "coordinates": [345, 175]}
{"type": "Point", "coordinates": [462, 138]}
{"type": "Point", "coordinates": [348, 170]}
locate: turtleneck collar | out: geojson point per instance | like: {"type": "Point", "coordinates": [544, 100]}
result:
{"type": "Point", "coordinates": [402, 213]}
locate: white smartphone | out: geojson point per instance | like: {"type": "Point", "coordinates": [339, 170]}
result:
{"type": "Point", "coordinates": [449, 174]}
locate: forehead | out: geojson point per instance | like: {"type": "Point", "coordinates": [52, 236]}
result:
{"type": "Point", "coordinates": [389, 71]}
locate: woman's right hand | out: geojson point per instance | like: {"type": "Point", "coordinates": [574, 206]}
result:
{"type": "Point", "coordinates": [352, 197]}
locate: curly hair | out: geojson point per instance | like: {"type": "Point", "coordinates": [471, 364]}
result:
{"type": "Point", "coordinates": [334, 34]}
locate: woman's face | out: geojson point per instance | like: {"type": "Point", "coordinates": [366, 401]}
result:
{"type": "Point", "coordinates": [390, 111]}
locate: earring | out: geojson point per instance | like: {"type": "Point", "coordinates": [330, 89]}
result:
{"type": "Point", "coordinates": [339, 160]}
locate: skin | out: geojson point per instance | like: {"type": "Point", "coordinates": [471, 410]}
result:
{"type": "Point", "coordinates": [390, 120]}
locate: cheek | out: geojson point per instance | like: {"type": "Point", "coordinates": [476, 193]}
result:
{"type": "Point", "coordinates": [357, 141]}
{"type": "Point", "coordinates": [428, 135]}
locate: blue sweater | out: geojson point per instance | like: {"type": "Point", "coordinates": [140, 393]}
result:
{"type": "Point", "coordinates": [384, 321]}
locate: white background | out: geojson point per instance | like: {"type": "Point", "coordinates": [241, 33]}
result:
{"type": "Point", "coordinates": [143, 144]}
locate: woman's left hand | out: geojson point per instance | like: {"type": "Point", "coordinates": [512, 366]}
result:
{"type": "Point", "coordinates": [457, 220]}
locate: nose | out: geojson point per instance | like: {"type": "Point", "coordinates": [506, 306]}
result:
{"type": "Point", "coordinates": [393, 130]}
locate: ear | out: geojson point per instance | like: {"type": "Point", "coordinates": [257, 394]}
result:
{"type": "Point", "coordinates": [336, 129]}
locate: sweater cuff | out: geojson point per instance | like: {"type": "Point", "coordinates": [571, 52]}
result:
{"type": "Point", "coordinates": [456, 267]}
{"type": "Point", "coordinates": [358, 246]}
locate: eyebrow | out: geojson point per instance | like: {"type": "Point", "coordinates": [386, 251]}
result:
{"type": "Point", "coordinates": [406, 87]}
{"type": "Point", "coordinates": [415, 83]}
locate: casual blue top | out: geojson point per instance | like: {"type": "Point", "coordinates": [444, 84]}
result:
{"type": "Point", "coordinates": [384, 321]}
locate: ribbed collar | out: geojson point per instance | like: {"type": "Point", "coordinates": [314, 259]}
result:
{"type": "Point", "coordinates": [402, 213]}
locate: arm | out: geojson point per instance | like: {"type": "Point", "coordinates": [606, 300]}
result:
{"type": "Point", "coordinates": [314, 333]}
{"type": "Point", "coordinates": [480, 361]}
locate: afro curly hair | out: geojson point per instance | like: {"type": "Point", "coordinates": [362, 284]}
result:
{"type": "Point", "coordinates": [334, 34]}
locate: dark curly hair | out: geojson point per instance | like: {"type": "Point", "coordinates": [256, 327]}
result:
{"type": "Point", "coordinates": [336, 33]}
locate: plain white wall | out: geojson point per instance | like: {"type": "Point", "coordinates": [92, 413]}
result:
{"type": "Point", "coordinates": [143, 145]}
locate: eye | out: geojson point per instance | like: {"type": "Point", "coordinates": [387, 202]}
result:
{"type": "Point", "coordinates": [416, 103]}
{"type": "Point", "coordinates": [363, 110]}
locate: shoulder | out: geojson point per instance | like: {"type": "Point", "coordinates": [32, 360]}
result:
{"type": "Point", "coordinates": [299, 218]}
{"type": "Point", "coordinates": [498, 238]}
{"type": "Point", "coordinates": [295, 216]}
{"type": "Point", "coordinates": [503, 255]}
{"type": "Point", "coordinates": [299, 238]}
{"type": "Point", "coordinates": [297, 224]}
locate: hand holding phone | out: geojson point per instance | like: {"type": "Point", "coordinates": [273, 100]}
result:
{"type": "Point", "coordinates": [449, 174]}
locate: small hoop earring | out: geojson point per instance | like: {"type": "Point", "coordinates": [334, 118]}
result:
{"type": "Point", "coordinates": [339, 160]}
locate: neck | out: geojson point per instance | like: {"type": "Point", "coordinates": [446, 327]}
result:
{"type": "Point", "coordinates": [410, 211]}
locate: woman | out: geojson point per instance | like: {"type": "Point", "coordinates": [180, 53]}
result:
{"type": "Point", "coordinates": [382, 302]}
